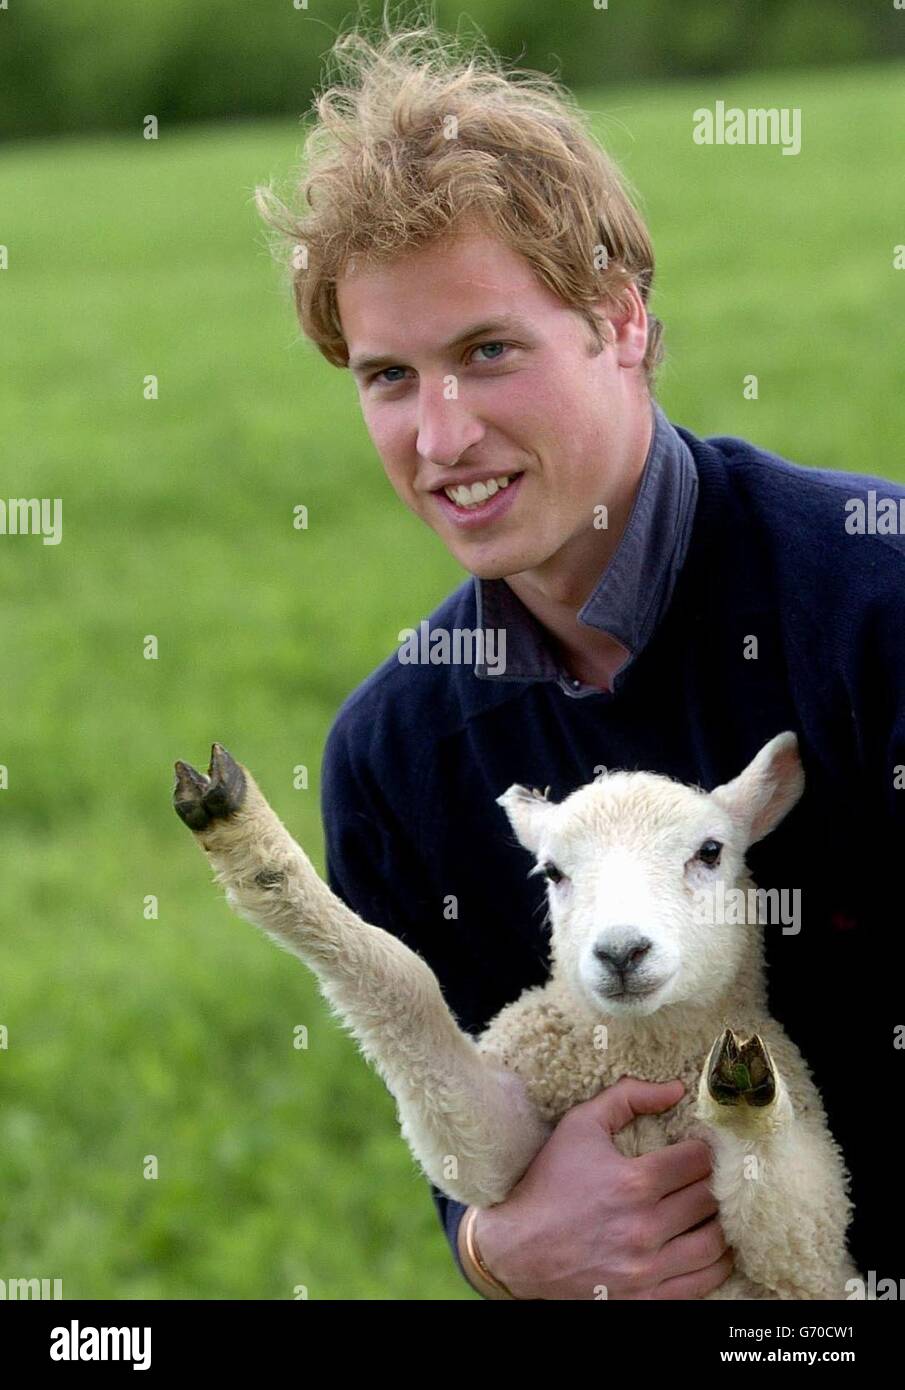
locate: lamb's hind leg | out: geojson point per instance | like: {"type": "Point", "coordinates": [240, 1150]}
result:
{"type": "Point", "coordinates": [778, 1178]}
{"type": "Point", "coordinates": [468, 1122]}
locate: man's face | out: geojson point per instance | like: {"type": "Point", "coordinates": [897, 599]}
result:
{"type": "Point", "coordinates": [524, 400]}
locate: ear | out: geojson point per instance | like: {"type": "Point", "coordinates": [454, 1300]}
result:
{"type": "Point", "coordinates": [759, 798]}
{"type": "Point", "coordinates": [527, 812]}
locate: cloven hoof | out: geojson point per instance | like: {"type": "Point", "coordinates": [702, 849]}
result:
{"type": "Point", "coordinates": [199, 800]}
{"type": "Point", "coordinates": [741, 1072]}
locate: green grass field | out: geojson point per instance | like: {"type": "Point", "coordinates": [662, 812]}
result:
{"type": "Point", "coordinates": [130, 1037]}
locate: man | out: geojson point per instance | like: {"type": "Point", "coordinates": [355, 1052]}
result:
{"type": "Point", "coordinates": [661, 602]}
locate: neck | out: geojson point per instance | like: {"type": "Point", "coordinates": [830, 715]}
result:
{"type": "Point", "coordinates": [556, 590]}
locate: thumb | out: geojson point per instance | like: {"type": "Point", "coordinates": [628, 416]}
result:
{"type": "Point", "coordinates": [619, 1104]}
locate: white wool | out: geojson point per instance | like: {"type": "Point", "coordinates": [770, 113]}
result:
{"type": "Point", "coordinates": [475, 1113]}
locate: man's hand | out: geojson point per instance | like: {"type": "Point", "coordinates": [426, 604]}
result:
{"type": "Point", "coordinates": [583, 1219]}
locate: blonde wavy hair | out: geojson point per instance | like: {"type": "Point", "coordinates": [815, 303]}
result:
{"type": "Point", "coordinates": [416, 133]}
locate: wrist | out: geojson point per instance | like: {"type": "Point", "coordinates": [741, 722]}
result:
{"type": "Point", "coordinates": [473, 1256]}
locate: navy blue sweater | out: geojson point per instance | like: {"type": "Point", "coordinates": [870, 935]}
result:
{"type": "Point", "coordinates": [418, 754]}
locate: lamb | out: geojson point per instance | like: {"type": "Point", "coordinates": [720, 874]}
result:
{"type": "Point", "coordinates": [642, 983]}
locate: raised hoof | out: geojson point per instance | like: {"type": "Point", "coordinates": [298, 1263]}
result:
{"type": "Point", "coordinates": [741, 1072]}
{"type": "Point", "coordinates": [199, 800]}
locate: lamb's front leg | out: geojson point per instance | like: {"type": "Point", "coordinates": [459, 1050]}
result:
{"type": "Point", "coordinates": [468, 1122]}
{"type": "Point", "coordinates": [778, 1180]}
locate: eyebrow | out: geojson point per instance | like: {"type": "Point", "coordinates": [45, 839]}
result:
{"type": "Point", "coordinates": [507, 323]}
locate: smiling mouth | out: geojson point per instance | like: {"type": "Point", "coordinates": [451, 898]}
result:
{"type": "Point", "coordinates": [471, 496]}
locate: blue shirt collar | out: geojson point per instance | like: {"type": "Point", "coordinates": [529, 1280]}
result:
{"type": "Point", "coordinates": [634, 589]}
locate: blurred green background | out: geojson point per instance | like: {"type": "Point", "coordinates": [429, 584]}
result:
{"type": "Point", "coordinates": [103, 64]}
{"type": "Point", "coordinates": [130, 1036]}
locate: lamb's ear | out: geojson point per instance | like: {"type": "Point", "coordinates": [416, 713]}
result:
{"type": "Point", "coordinates": [527, 812]}
{"type": "Point", "coordinates": [759, 798]}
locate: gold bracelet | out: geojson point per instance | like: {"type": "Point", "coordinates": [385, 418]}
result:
{"type": "Point", "coordinates": [474, 1254]}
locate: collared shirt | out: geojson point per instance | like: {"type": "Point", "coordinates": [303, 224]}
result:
{"type": "Point", "coordinates": [634, 590]}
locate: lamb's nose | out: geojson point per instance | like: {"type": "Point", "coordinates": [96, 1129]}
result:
{"type": "Point", "coordinates": [625, 958]}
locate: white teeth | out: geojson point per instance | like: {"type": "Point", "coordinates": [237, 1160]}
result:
{"type": "Point", "coordinates": [477, 494]}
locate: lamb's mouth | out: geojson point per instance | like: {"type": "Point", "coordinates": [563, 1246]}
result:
{"type": "Point", "coordinates": [622, 996]}
{"type": "Point", "coordinates": [629, 995]}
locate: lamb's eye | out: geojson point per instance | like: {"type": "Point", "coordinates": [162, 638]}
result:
{"type": "Point", "coordinates": [709, 853]}
{"type": "Point", "coordinates": [552, 874]}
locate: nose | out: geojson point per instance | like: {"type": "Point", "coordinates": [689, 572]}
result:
{"type": "Point", "coordinates": [625, 958]}
{"type": "Point", "coordinates": [445, 428]}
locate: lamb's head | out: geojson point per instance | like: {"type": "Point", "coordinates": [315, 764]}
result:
{"type": "Point", "coordinates": [628, 859]}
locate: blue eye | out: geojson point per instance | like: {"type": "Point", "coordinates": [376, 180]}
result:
{"type": "Point", "coordinates": [378, 375]}
{"type": "Point", "coordinates": [482, 346]}
{"type": "Point", "coordinates": [479, 347]}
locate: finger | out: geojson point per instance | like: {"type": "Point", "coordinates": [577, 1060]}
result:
{"type": "Point", "coordinates": [676, 1165]}
{"type": "Point", "coordinates": [691, 1251]}
{"type": "Point", "coordinates": [699, 1283]}
{"type": "Point", "coordinates": [618, 1105]}
{"type": "Point", "coordinates": [679, 1211]}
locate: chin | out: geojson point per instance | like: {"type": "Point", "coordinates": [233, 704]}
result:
{"type": "Point", "coordinates": [628, 1006]}
{"type": "Point", "coordinates": [495, 558]}
{"type": "Point", "coordinates": [491, 567]}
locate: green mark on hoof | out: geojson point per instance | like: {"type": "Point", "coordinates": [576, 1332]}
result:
{"type": "Point", "coordinates": [740, 1072]}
